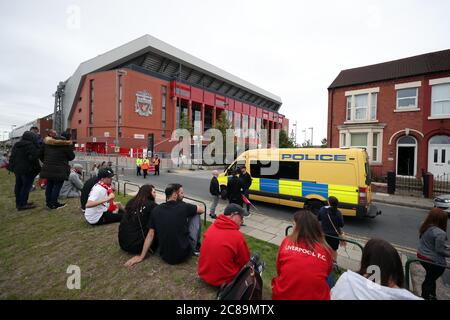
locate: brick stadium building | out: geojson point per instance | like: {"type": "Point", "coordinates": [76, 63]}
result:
{"type": "Point", "coordinates": [137, 93]}
{"type": "Point", "coordinates": [398, 110]}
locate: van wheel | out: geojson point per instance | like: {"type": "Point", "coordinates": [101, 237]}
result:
{"type": "Point", "coordinates": [314, 206]}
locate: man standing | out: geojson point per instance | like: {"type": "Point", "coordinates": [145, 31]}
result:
{"type": "Point", "coordinates": [100, 206]}
{"type": "Point", "coordinates": [72, 187]}
{"type": "Point", "coordinates": [246, 180]}
{"type": "Point", "coordinates": [176, 225]}
{"type": "Point", "coordinates": [145, 166]}
{"type": "Point", "coordinates": [138, 166]}
{"type": "Point", "coordinates": [55, 155]}
{"type": "Point", "coordinates": [25, 165]}
{"type": "Point", "coordinates": [224, 251]}
{"type": "Point", "coordinates": [156, 162]}
{"type": "Point", "coordinates": [235, 189]}
{"type": "Point", "coordinates": [214, 190]}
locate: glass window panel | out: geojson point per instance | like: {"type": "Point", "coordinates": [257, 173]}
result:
{"type": "Point", "coordinates": [406, 140]}
{"type": "Point", "coordinates": [375, 140]}
{"type": "Point", "coordinates": [361, 103]}
{"type": "Point", "coordinates": [435, 156]}
{"type": "Point", "coordinates": [440, 140]}
{"type": "Point", "coordinates": [358, 140]}
{"type": "Point", "coordinates": [443, 156]}
{"type": "Point", "coordinates": [406, 103]}
{"type": "Point", "coordinates": [440, 97]}
{"type": "Point", "coordinates": [373, 106]}
{"type": "Point", "coordinates": [349, 108]}
{"type": "Point", "coordinates": [375, 154]}
{"type": "Point", "coordinates": [407, 93]}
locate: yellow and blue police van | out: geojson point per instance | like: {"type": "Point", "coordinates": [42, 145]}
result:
{"type": "Point", "coordinates": [306, 177]}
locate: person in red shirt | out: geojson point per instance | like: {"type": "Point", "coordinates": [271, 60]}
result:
{"type": "Point", "coordinates": [224, 250]}
{"type": "Point", "coordinates": [304, 262]}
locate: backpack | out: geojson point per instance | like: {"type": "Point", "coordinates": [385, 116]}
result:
{"type": "Point", "coordinates": [247, 285]}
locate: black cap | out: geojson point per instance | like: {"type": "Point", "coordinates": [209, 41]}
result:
{"type": "Point", "coordinates": [235, 208]}
{"type": "Point", "coordinates": [105, 173]}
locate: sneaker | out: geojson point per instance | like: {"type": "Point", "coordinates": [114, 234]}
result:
{"type": "Point", "coordinates": [50, 206]}
{"type": "Point", "coordinates": [196, 253]}
{"type": "Point", "coordinates": [213, 216]}
{"type": "Point", "coordinates": [60, 205]}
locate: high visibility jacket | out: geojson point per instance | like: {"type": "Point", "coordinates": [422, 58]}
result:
{"type": "Point", "coordinates": [145, 164]}
{"type": "Point", "coordinates": [156, 162]}
{"type": "Point", "coordinates": [139, 162]}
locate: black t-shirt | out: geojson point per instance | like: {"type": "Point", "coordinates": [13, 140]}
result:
{"type": "Point", "coordinates": [170, 222]}
{"type": "Point", "coordinates": [131, 235]}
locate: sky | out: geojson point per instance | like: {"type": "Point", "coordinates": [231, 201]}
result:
{"type": "Point", "coordinates": [294, 49]}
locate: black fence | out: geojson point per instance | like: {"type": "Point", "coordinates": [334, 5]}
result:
{"type": "Point", "coordinates": [409, 186]}
{"type": "Point", "coordinates": [441, 184]}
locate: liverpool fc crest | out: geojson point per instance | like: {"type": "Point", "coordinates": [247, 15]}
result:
{"type": "Point", "coordinates": [143, 106]}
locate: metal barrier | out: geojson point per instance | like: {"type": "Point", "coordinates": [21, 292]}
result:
{"type": "Point", "coordinates": [163, 192]}
{"type": "Point", "coordinates": [286, 232]}
{"type": "Point", "coordinates": [415, 260]}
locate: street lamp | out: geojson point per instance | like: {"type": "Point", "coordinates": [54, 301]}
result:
{"type": "Point", "coordinates": [312, 134]}
{"type": "Point", "coordinates": [116, 141]}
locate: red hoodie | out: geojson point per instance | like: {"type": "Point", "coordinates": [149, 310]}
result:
{"type": "Point", "coordinates": [302, 273]}
{"type": "Point", "coordinates": [223, 253]}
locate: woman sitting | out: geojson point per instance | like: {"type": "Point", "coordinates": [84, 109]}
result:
{"type": "Point", "coordinates": [380, 276]}
{"type": "Point", "coordinates": [304, 262]}
{"type": "Point", "coordinates": [135, 222]}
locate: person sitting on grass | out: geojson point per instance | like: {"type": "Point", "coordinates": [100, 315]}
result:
{"type": "Point", "coordinates": [304, 262]}
{"type": "Point", "coordinates": [100, 206]}
{"type": "Point", "coordinates": [380, 276]}
{"type": "Point", "coordinates": [224, 250]}
{"type": "Point", "coordinates": [176, 226]}
{"type": "Point", "coordinates": [136, 220]}
{"type": "Point", "coordinates": [72, 187]}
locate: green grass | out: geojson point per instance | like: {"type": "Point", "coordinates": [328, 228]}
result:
{"type": "Point", "coordinates": [37, 246]}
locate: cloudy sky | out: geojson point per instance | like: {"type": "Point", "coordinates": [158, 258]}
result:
{"type": "Point", "coordinates": [291, 48]}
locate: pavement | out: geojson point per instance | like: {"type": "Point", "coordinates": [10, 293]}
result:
{"type": "Point", "coordinates": [406, 201]}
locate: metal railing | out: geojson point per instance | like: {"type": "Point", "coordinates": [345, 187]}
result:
{"type": "Point", "coordinates": [411, 186]}
{"type": "Point", "coordinates": [286, 232]}
{"type": "Point", "coordinates": [441, 184]}
{"type": "Point", "coordinates": [163, 192]}
{"type": "Point", "coordinates": [417, 260]}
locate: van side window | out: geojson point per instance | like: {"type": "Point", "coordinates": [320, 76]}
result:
{"type": "Point", "coordinates": [288, 170]}
{"type": "Point", "coordinates": [256, 168]}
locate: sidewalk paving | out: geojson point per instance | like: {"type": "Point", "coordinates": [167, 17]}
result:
{"type": "Point", "coordinates": [273, 230]}
{"type": "Point", "coordinates": [405, 201]}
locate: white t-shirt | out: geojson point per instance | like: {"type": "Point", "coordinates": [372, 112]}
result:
{"type": "Point", "coordinates": [94, 214]}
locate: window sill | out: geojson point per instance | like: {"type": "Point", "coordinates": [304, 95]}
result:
{"type": "Point", "coordinates": [376, 164]}
{"type": "Point", "coordinates": [407, 110]}
{"type": "Point", "coordinates": [360, 121]}
{"type": "Point", "coordinates": [439, 117]}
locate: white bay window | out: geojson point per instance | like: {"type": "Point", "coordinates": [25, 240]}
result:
{"type": "Point", "coordinates": [361, 105]}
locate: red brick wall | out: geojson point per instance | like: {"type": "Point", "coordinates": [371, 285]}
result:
{"type": "Point", "coordinates": [394, 121]}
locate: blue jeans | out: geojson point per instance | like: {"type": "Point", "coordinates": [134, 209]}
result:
{"type": "Point", "coordinates": [22, 189]}
{"type": "Point", "coordinates": [52, 191]}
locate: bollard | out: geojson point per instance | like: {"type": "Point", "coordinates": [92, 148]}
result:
{"type": "Point", "coordinates": [391, 182]}
{"type": "Point", "coordinates": [428, 180]}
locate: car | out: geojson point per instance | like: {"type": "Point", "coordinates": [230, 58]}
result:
{"type": "Point", "coordinates": [443, 202]}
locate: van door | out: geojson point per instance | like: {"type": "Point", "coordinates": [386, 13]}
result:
{"type": "Point", "coordinates": [265, 181]}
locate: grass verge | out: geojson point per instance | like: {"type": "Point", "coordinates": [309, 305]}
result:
{"type": "Point", "coordinates": [37, 247]}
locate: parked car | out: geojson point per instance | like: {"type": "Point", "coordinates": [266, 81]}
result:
{"type": "Point", "coordinates": [443, 202]}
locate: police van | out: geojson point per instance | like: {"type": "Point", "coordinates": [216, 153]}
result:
{"type": "Point", "coordinates": [305, 178]}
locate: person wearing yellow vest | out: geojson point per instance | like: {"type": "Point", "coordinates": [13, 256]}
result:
{"type": "Point", "coordinates": [145, 166]}
{"type": "Point", "coordinates": [156, 162]}
{"type": "Point", "coordinates": [139, 161]}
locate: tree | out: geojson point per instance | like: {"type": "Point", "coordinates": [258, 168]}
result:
{"type": "Point", "coordinates": [285, 141]}
{"type": "Point", "coordinates": [222, 124]}
{"type": "Point", "coordinates": [186, 124]}
{"type": "Point", "coordinates": [324, 142]}
{"type": "Point", "coordinates": [306, 144]}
